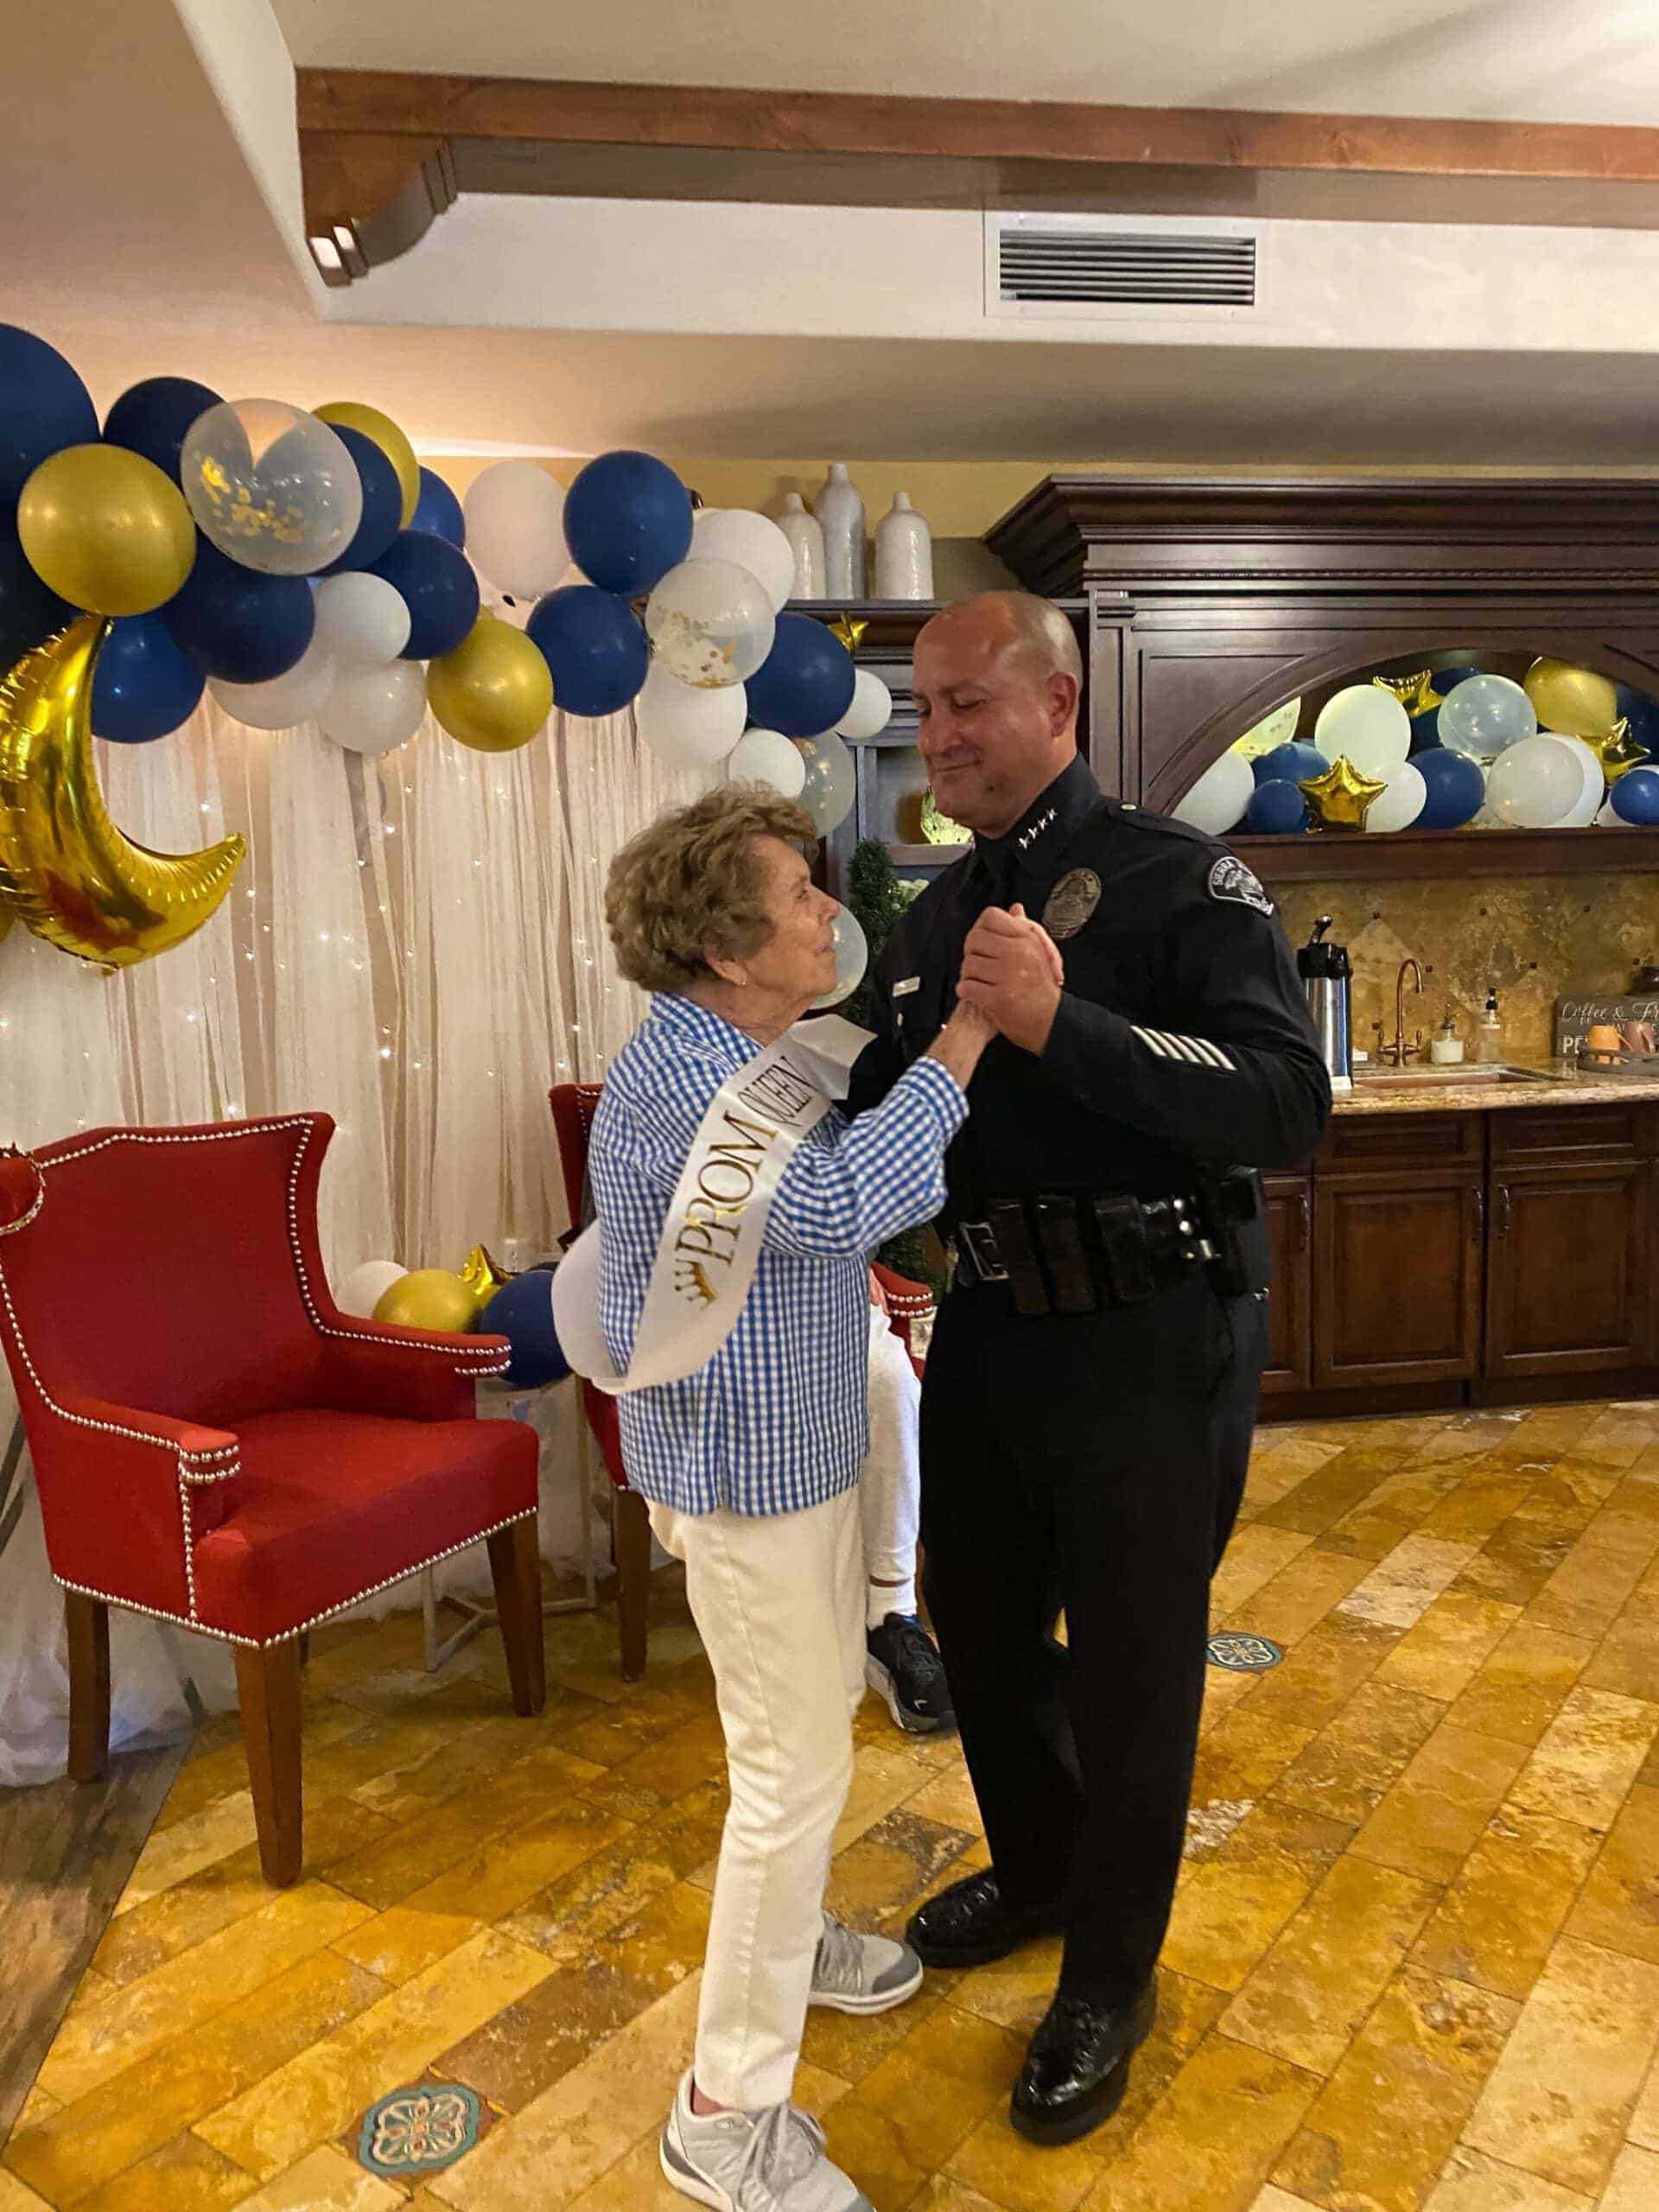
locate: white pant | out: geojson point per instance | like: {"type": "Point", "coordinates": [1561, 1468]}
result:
{"type": "Point", "coordinates": [779, 1601]}
{"type": "Point", "coordinates": [890, 1483]}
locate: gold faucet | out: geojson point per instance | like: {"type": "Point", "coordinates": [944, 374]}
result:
{"type": "Point", "coordinates": [1397, 1054]}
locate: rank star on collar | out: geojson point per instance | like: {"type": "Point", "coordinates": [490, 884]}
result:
{"type": "Point", "coordinates": [1028, 837]}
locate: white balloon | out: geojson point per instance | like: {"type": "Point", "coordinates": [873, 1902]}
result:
{"type": "Point", "coordinates": [688, 728]}
{"type": "Point", "coordinates": [1583, 812]}
{"type": "Point", "coordinates": [1534, 783]}
{"type": "Point", "coordinates": [364, 1287]}
{"type": "Point", "coordinates": [831, 782]}
{"type": "Point", "coordinates": [710, 624]}
{"type": "Point", "coordinates": [515, 528]}
{"type": "Point", "coordinates": [372, 710]}
{"type": "Point", "coordinates": [1609, 818]}
{"type": "Point", "coordinates": [1274, 729]}
{"type": "Point", "coordinates": [1217, 801]}
{"type": "Point", "coordinates": [765, 756]}
{"type": "Point", "coordinates": [361, 620]}
{"type": "Point", "coordinates": [1367, 723]}
{"type": "Point", "coordinates": [852, 958]}
{"type": "Point", "coordinates": [754, 542]}
{"type": "Point", "coordinates": [1399, 806]}
{"type": "Point", "coordinates": [296, 695]}
{"type": "Point", "coordinates": [871, 710]}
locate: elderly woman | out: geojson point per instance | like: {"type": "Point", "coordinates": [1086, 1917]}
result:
{"type": "Point", "coordinates": [750, 1462]}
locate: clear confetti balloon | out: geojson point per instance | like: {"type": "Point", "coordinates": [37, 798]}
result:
{"type": "Point", "coordinates": [710, 624]}
{"type": "Point", "coordinates": [852, 958]}
{"type": "Point", "coordinates": [831, 781]}
{"type": "Point", "coordinates": [271, 486]}
{"type": "Point", "coordinates": [1484, 716]}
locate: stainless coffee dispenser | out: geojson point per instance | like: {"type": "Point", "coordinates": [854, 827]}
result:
{"type": "Point", "coordinates": [1326, 977]}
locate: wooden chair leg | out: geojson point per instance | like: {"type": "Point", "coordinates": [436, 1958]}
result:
{"type": "Point", "coordinates": [88, 1623]}
{"type": "Point", "coordinates": [631, 1540]}
{"type": "Point", "coordinates": [516, 1566]}
{"type": "Point", "coordinates": [269, 1681]}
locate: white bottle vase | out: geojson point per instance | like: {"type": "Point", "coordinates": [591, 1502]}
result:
{"type": "Point", "coordinates": [805, 534]}
{"type": "Point", "coordinates": [904, 552]}
{"type": "Point", "coordinates": [841, 511]}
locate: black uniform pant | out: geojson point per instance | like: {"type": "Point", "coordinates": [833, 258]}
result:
{"type": "Point", "coordinates": [1093, 1463]}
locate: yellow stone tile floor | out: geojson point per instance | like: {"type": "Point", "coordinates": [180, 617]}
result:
{"type": "Point", "coordinates": [1414, 1959]}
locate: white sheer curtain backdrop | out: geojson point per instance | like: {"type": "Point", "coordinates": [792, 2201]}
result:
{"type": "Point", "coordinates": [414, 945]}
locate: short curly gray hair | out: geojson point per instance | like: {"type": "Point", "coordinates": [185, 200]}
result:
{"type": "Point", "coordinates": [692, 879]}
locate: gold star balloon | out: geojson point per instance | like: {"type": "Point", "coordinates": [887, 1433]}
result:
{"type": "Point", "coordinates": [1619, 752]}
{"type": "Point", "coordinates": [850, 633]}
{"type": "Point", "coordinates": [1416, 693]}
{"type": "Point", "coordinates": [483, 1275]}
{"type": "Point", "coordinates": [1341, 797]}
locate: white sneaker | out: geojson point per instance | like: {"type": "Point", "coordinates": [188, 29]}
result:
{"type": "Point", "coordinates": [771, 2161]}
{"type": "Point", "coordinates": [862, 1974]}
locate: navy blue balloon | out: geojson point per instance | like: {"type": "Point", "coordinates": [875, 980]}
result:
{"type": "Point", "coordinates": [1635, 797]}
{"type": "Point", "coordinates": [1447, 679]}
{"type": "Point", "coordinates": [237, 624]}
{"type": "Point", "coordinates": [1642, 715]}
{"type": "Point", "coordinates": [439, 589]}
{"type": "Point", "coordinates": [155, 418]}
{"type": "Point", "coordinates": [1456, 788]}
{"type": "Point", "coordinates": [29, 613]}
{"type": "Point", "coordinates": [438, 511]}
{"type": "Point", "coordinates": [805, 683]}
{"type": "Point", "coordinates": [1276, 810]}
{"type": "Point", "coordinates": [594, 644]}
{"type": "Point", "coordinates": [628, 521]}
{"type": "Point", "coordinates": [1291, 763]}
{"type": "Point", "coordinates": [522, 1311]}
{"type": "Point", "coordinates": [383, 502]}
{"type": "Point", "coordinates": [143, 686]}
{"type": "Point", "coordinates": [1425, 731]}
{"type": "Point", "coordinates": [44, 407]}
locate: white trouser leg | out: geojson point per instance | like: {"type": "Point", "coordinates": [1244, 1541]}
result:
{"type": "Point", "coordinates": [779, 1601]}
{"type": "Point", "coordinates": [890, 1484]}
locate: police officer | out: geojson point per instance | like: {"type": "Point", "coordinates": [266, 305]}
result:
{"type": "Point", "coordinates": [1091, 1385]}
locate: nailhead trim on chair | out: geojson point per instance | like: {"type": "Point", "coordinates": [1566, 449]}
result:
{"type": "Point", "coordinates": [225, 1636]}
{"type": "Point", "coordinates": [203, 1466]}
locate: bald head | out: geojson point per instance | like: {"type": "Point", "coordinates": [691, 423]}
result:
{"type": "Point", "coordinates": [996, 679]}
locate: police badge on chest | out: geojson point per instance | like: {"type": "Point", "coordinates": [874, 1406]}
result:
{"type": "Point", "coordinates": [1070, 903]}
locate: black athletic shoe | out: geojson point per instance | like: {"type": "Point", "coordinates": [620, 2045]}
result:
{"type": "Point", "coordinates": [903, 1664]}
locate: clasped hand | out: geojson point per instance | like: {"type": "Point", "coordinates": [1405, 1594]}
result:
{"type": "Point", "coordinates": [1012, 975]}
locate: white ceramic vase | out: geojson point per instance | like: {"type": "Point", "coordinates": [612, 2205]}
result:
{"type": "Point", "coordinates": [841, 511]}
{"type": "Point", "coordinates": [904, 552]}
{"type": "Point", "coordinates": [805, 536]}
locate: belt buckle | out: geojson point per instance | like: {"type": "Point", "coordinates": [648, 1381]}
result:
{"type": "Point", "coordinates": [978, 1239]}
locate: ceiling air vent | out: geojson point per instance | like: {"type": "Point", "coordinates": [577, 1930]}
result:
{"type": "Point", "coordinates": [1159, 269]}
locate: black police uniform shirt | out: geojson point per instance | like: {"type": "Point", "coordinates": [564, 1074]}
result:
{"type": "Point", "coordinates": [1182, 1032]}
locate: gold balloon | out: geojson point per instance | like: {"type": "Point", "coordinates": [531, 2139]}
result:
{"type": "Point", "coordinates": [1416, 693]}
{"type": "Point", "coordinates": [850, 633]}
{"type": "Point", "coordinates": [484, 1274]}
{"type": "Point", "coordinates": [1341, 798]}
{"type": "Point", "coordinates": [431, 1297]}
{"type": "Point", "coordinates": [493, 692]}
{"type": "Point", "coordinates": [5, 921]}
{"type": "Point", "coordinates": [1574, 702]}
{"type": "Point", "coordinates": [390, 441]}
{"type": "Point", "coordinates": [106, 529]}
{"type": "Point", "coordinates": [1619, 752]}
{"type": "Point", "coordinates": [68, 871]}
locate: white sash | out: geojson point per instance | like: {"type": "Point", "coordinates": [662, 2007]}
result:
{"type": "Point", "coordinates": [716, 1220]}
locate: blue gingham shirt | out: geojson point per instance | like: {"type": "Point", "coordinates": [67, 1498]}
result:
{"type": "Point", "coordinates": [778, 1419]}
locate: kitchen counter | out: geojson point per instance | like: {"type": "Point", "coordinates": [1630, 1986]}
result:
{"type": "Point", "coordinates": [1555, 1088]}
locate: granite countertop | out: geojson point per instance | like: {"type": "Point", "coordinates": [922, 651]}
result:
{"type": "Point", "coordinates": [1558, 1086]}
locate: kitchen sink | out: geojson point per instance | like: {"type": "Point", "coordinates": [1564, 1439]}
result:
{"type": "Point", "coordinates": [1433, 1078]}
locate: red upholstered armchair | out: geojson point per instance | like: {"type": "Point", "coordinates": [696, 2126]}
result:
{"type": "Point", "coordinates": [215, 1443]}
{"type": "Point", "coordinates": [574, 1107]}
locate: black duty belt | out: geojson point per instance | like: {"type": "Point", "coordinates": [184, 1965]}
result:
{"type": "Point", "coordinates": [1074, 1252]}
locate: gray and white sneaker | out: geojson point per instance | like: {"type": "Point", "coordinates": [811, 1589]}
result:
{"type": "Point", "coordinates": [771, 2161]}
{"type": "Point", "coordinates": [862, 1974]}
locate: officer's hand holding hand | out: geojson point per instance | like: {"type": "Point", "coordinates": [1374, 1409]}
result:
{"type": "Point", "coordinates": [1012, 972]}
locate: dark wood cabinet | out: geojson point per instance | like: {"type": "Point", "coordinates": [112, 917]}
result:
{"type": "Point", "coordinates": [1567, 1288]}
{"type": "Point", "coordinates": [1398, 1281]}
{"type": "Point", "coordinates": [1290, 1308]}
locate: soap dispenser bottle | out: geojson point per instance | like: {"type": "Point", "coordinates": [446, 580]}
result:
{"type": "Point", "coordinates": [1488, 1037]}
{"type": "Point", "coordinates": [1445, 1046]}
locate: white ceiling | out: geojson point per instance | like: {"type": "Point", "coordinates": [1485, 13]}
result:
{"type": "Point", "coordinates": [1555, 61]}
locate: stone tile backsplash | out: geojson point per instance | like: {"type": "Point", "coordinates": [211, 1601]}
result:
{"type": "Point", "coordinates": [1535, 937]}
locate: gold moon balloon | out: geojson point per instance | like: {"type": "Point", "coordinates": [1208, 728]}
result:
{"type": "Point", "coordinates": [66, 871]}
{"type": "Point", "coordinates": [390, 440]}
{"type": "Point", "coordinates": [1572, 701]}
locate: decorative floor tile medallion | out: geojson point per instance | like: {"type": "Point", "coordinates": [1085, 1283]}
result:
{"type": "Point", "coordinates": [421, 2129]}
{"type": "Point", "coordinates": [1247, 1655]}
